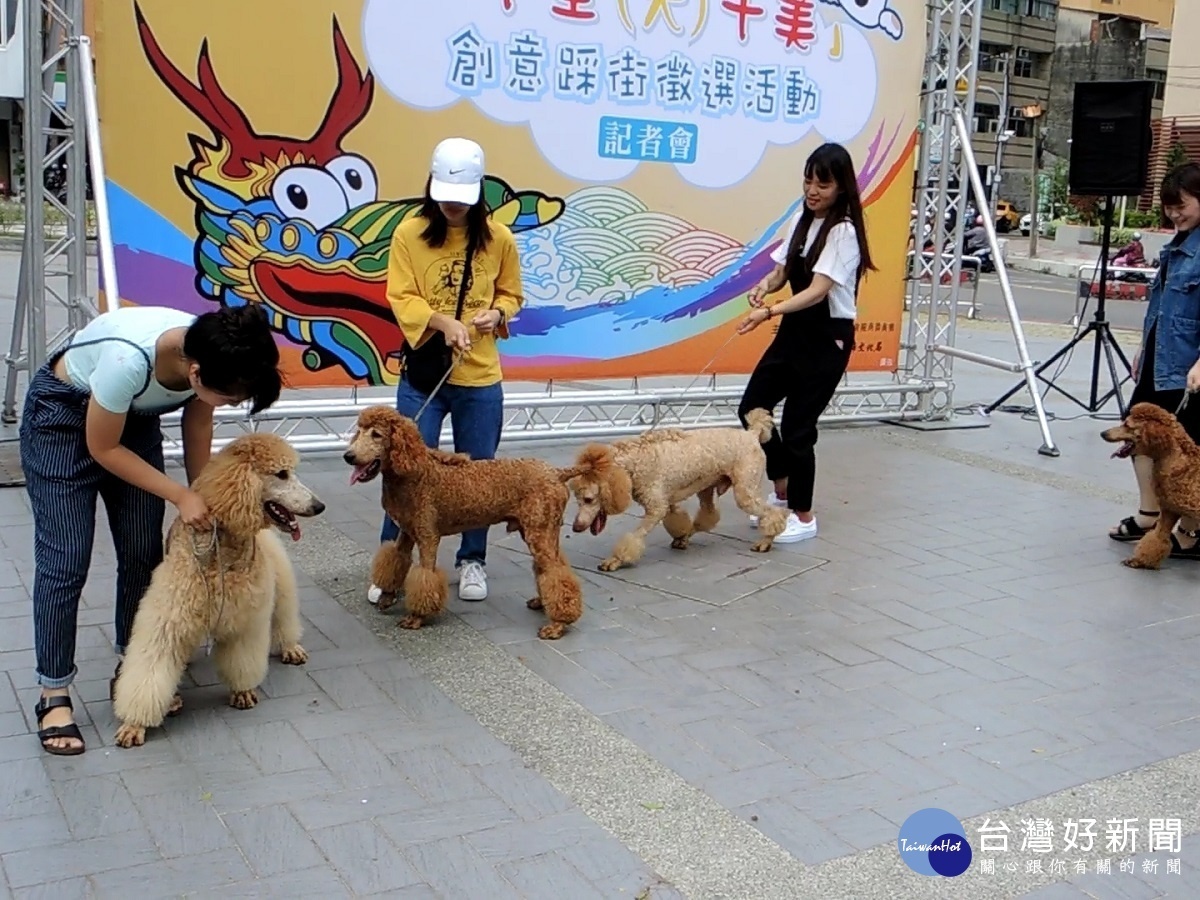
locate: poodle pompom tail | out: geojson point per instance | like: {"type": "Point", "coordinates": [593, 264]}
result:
{"type": "Point", "coordinates": [760, 423]}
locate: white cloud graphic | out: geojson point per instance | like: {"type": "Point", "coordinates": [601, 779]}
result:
{"type": "Point", "coordinates": [409, 48]}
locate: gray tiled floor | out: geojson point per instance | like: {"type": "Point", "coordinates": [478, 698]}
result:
{"type": "Point", "coordinates": [961, 635]}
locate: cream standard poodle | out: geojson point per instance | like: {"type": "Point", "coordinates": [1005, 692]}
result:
{"type": "Point", "coordinates": [233, 584]}
{"type": "Point", "coordinates": [662, 468]}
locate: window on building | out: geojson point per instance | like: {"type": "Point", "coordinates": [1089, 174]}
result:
{"type": "Point", "coordinates": [1159, 77]}
{"type": "Point", "coordinates": [1040, 9]}
{"type": "Point", "coordinates": [991, 56]}
{"type": "Point", "coordinates": [1010, 7]}
{"type": "Point", "coordinates": [987, 118]}
{"type": "Point", "coordinates": [1017, 123]}
{"type": "Point", "coordinates": [1023, 64]}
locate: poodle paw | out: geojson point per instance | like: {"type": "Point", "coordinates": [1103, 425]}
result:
{"type": "Point", "coordinates": [387, 599]}
{"type": "Point", "coordinates": [412, 623]}
{"type": "Point", "coordinates": [552, 632]}
{"type": "Point", "coordinates": [130, 736]}
{"type": "Point", "coordinates": [680, 543]}
{"type": "Point", "coordinates": [535, 603]}
{"type": "Point", "coordinates": [295, 655]}
{"type": "Point", "coordinates": [610, 565]}
{"type": "Point", "coordinates": [243, 699]}
{"type": "Point", "coordinates": [1134, 563]}
{"type": "Point", "coordinates": [763, 545]}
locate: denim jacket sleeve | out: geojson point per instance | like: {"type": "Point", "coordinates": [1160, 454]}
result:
{"type": "Point", "coordinates": [1174, 312]}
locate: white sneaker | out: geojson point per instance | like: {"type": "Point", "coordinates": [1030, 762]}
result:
{"type": "Point", "coordinates": [472, 582]}
{"type": "Point", "coordinates": [772, 500]}
{"type": "Point", "coordinates": [373, 595]}
{"type": "Point", "coordinates": [797, 530]}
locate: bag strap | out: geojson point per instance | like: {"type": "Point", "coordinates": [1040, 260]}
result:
{"type": "Point", "coordinates": [466, 276]}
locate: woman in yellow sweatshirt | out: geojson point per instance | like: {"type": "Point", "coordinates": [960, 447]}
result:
{"type": "Point", "coordinates": [454, 282]}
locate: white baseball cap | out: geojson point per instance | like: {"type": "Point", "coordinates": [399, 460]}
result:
{"type": "Point", "coordinates": [457, 171]}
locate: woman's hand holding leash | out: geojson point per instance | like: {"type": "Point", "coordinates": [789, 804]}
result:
{"type": "Point", "coordinates": [457, 335]}
{"type": "Point", "coordinates": [1193, 378]}
{"type": "Point", "coordinates": [757, 293]}
{"type": "Point", "coordinates": [487, 321]}
{"type": "Point", "coordinates": [192, 509]}
{"type": "Point", "coordinates": [754, 319]}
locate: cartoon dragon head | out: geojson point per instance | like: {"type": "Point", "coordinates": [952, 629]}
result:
{"type": "Point", "coordinates": [297, 225]}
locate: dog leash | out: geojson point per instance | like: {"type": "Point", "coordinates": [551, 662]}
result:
{"type": "Point", "coordinates": [458, 357]}
{"type": "Point", "coordinates": [1183, 403]}
{"type": "Point", "coordinates": [214, 547]}
{"type": "Point", "coordinates": [704, 368]}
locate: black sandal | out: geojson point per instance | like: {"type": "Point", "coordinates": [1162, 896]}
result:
{"type": "Point", "coordinates": [71, 731]}
{"type": "Point", "coordinates": [1129, 530]}
{"type": "Point", "coordinates": [176, 702]}
{"type": "Point", "coordinates": [1178, 551]}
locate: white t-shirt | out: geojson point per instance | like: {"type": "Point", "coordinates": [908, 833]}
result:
{"type": "Point", "coordinates": [838, 262]}
{"type": "Point", "coordinates": [112, 358]}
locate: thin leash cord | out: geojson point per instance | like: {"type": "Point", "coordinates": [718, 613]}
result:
{"type": "Point", "coordinates": [458, 357]}
{"type": "Point", "coordinates": [704, 368]}
{"type": "Point", "coordinates": [214, 547]}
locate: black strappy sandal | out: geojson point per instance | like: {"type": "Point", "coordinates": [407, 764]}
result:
{"type": "Point", "coordinates": [1129, 530]}
{"type": "Point", "coordinates": [70, 732]}
{"type": "Point", "coordinates": [1178, 551]}
{"type": "Point", "coordinates": [176, 702]}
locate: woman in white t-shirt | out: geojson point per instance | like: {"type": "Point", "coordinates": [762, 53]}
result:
{"type": "Point", "coordinates": [822, 264]}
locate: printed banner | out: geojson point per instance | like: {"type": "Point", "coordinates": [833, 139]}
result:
{"type": "Point", "coordinates": [648, 155]}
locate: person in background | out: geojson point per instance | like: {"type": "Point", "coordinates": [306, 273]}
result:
{"type": "Point", "coordinates": [454, 284]}
{"type": "Point", "coordinates": [1166, 366]}
{"type": "Point", "coordinates": [821, 263]}
{"type": "Point", "coordinates": [91, 427]}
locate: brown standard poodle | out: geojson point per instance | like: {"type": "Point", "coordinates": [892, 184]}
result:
{"type": "Point", "coordinates": [661, 469]}
{"type": "Point", "coordinates": [430, 494]}
{"type": "Point", "coordinates": [1152, 431]}
{"type": "Point", "coordinates": [233, 583]}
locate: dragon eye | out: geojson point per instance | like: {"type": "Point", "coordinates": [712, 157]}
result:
{"type": "Point", "coordinates": [309, 194]}
{"type": "Point", "coordinates": [357, 178]}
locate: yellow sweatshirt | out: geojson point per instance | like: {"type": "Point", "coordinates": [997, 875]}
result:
{"type": "Point", "coordinates": [423, 280]}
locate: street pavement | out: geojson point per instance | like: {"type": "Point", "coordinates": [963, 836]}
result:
{"type": "Point", "coordinates": [719, 724]}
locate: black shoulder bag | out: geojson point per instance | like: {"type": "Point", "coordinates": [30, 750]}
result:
{"type": "Point", "coordinates": [427, 365]}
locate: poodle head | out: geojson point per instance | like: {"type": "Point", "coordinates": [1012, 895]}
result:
{"type": "Point", "coordinates": [383, 441]}
{"type": "Point", "coordinates": [601, 488]}
{"type": "Point", "coordinates": [1147, 430]}
{"type": "Point", "coordinates": [251, 485]}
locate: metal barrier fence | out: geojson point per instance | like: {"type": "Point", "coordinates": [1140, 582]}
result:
{"type": "Point", "coordinates": [1089, 286]}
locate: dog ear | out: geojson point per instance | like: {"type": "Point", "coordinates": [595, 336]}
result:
{"type": "Point", "coordinates": [232, 491]}
{"type": "Point", "coordinates": [406, 450]}
{"type": "Point", "coordinates": [616, 491]}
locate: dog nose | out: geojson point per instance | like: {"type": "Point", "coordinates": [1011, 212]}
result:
{"type": "Point", "coordinates": [318, 507]}
{"type": "Point", "coordinates": [348, 457]}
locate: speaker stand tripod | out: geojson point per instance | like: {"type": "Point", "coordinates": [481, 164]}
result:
{"type": "Point", "coordinates": [1099, 329]}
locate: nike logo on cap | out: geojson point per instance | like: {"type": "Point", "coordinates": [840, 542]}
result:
{"type": "Point", "coordinates": [455, 172]}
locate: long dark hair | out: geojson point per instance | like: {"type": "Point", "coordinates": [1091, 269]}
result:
{"type": "Point", "coordinates": [478, 230]}
{"type": "Point", "coordinates": [831, 162]}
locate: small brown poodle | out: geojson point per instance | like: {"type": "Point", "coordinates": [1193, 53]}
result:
{"type": "Point", "coordinates": [233, 583]}
{"type": "Point", "coordinates": [660, 469]}
{"type": "Point", "coordinates": [430, 494]}
{"type": "Point", "coordinates": [1153, 432]}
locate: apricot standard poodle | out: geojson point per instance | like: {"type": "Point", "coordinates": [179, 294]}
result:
{"type": "Point", "coordinates": [430, 494]}
{"type": "Point", "coordinates": [662, 468]}
{"type": "Point", "coordinates": [1152, 431]}
{"type": "Point", "coordinates": [233, 583]}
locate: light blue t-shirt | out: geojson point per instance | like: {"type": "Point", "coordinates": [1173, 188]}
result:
{"type": "Point", "coordinates": [112, 358]}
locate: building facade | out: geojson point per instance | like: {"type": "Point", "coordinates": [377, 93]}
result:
{"type": "Point", "coordinates": [1016, 47]}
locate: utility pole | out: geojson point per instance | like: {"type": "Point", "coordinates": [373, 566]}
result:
{"type": "Point", "coordinates": [1034, 114]}
{"type": "Point", "coordinates": [1000, 138]}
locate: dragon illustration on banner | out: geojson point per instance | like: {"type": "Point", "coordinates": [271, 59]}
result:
{"type": "Point", "coordinates": [297, 225]}
{"type": "Point", "coordinates": [612, 286]}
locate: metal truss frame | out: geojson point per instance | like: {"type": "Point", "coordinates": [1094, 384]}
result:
{"type": "Point", "coordinates": [921, 390]}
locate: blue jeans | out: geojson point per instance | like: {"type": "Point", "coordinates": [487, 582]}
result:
{"type": "Point", "coordinates": [63, 482]}
{"type": "Point", "coordinates": [476, 418]}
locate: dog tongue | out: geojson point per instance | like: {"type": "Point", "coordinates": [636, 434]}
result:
{"type": "Point", "coordinates": [296, 531]}
{"type": "Point", "coordinates": [357, 474]}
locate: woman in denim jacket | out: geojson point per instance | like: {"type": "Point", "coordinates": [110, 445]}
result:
{"type": "Point", "coordinates": [1168, 362]}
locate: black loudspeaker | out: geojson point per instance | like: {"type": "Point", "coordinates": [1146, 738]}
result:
{"type": "Point", "coordinates": [1110, 138]}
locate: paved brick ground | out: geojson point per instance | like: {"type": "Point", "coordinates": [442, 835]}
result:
{"type": "Point", "coordinates": [961, 635]}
